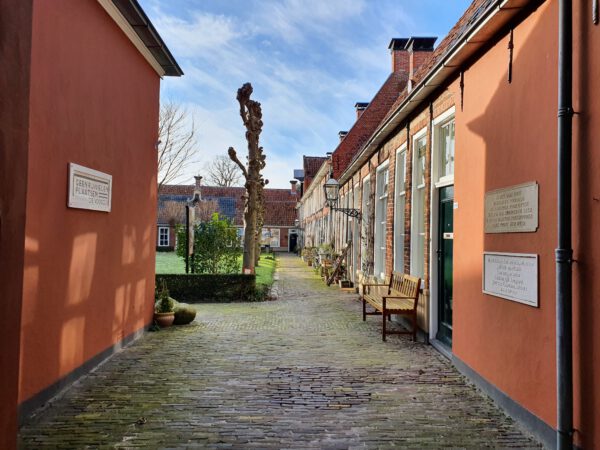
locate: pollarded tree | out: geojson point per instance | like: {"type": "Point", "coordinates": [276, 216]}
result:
{"type": "Point", "coordinates": [251, 114]}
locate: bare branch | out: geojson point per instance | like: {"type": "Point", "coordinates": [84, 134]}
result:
{"type": "Point", "coordinates": [177, 142]}
{"type": "Point", "coordinates": [222, 171]}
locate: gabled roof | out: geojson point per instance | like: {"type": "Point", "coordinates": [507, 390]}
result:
{"type": "Point", "coordinates": [368, 121]}
{"type": "Point", "coordinates": [280, 204]}
{"type": "Point", "coordinates": [133, 21]}
{"type": "Point", "coordinates": [481, 22]}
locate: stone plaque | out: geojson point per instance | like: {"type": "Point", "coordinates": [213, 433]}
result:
{"type": "Point", "coordinates": [513, 276]}
{"type": "Point", "coordinates": [89, 189]}
{"type": "Point", "coordinates": [512, 210]}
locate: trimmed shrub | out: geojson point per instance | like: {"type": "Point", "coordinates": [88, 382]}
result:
{"type": "Point", "coordinates": [184, 314]}
{"type": "Point", "coordinates": [208, 288]}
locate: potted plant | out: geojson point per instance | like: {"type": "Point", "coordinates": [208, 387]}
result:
{"type": "Point", "coordinates": [164, 314]}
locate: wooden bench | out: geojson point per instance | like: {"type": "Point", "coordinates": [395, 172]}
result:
{"type": "Point", "coordinates": [400, 297]}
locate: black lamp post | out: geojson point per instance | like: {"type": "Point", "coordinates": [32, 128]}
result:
{"type": "Point", "coordinates": [332, 195]}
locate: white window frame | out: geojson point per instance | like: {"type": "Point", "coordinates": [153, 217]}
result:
{"type": "Point", "coordinates": [161, 228]}
{"type": "Point", "coordinates": [364, 232]}
{"type": "Point", "coordinates": [399, 236]}
{"type": "Point", "coordinates": [438, 122]}
{"type": "Point", "coordinates": [380, 242]}
{"type": "Point", "coordinates": [417, 255]}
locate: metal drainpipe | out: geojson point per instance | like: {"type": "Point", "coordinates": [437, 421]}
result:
{"type": "Point", "coordinates": [564, 252]}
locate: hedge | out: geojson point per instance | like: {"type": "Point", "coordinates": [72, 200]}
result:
{"type": "Point", "coordinates": [209, 288]}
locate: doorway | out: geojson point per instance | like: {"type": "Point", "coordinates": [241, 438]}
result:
{"type": "Point", "coordinates": [293, 242]}
{"type": "Point", "coordinates": [444, 257]}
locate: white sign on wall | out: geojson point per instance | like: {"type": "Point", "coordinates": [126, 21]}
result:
{"type": "Point", "coordinates": [512, 210]}
{"type": "Point", "coordinates": [89, 189]}
{"type": "Point", "coordinates": [513, 276]}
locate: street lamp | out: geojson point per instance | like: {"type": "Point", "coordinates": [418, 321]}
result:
{"type": "Point", "coordinates": [332, 195]}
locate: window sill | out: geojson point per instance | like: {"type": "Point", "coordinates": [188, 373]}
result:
{"type": "Point", "coordinates": [446, 181]}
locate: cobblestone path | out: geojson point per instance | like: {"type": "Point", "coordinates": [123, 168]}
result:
{"type": "Point", "coordinates": [300, 372]}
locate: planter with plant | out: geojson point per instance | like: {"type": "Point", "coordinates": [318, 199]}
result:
{"type": "Point", "coordinates": [164, 309]}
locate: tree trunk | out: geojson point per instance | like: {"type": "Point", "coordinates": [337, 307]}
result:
{"type": "Point", "coordinates": [251, 114]}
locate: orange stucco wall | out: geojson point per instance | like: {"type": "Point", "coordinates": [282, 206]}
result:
{"type": "Point", "coordinates": [15, 46]}
{"type": "Point", "coordinates": [506, 135]}
{"type": "Point", "coordinates": [88, 276]}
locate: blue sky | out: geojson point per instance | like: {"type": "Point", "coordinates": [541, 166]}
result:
{"type": "Point", "coordinates": [309, 62]}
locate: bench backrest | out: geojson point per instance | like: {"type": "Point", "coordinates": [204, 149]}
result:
{"type": "Point", "coordinates": [405, 285]}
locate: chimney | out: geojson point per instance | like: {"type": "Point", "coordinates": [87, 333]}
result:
{"type": "Point", "coordinates": [293, 189]}
{"type": "Point", "coordinates": [419, 51]}
{"type": "Point", "coordinates": [360, 107]}
{"type": "Point", "coordinates": [399, 54]}
{"type": "Point", "coordinates": [342, 135]}
{"type": "Point", "coordinates": [198, 179]}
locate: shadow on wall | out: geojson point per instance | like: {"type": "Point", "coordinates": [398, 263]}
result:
{"type": "Point", "coordinates": [511, 135]}
{"type": "Point", "coordinates": [86, 293]}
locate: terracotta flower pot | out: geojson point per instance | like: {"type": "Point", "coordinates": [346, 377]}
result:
{"type": "Point", "coordinates": [164, 320]}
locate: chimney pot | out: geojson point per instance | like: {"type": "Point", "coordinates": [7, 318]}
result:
{"type": "Point", "coordinates": [399, 53]}
{"type": "Point", "coordinates": [342, 135]}
{"type": "Point", "coordinates": [419, 50]}
{"type": "Point", "coordinates": [360, 108]}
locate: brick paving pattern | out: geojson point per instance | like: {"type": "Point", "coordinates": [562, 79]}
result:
{"type": "Point", "coordinates": [300, 372]}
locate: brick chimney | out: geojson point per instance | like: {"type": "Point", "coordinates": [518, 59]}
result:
{"type": "Point", "coordinates": [399, 54]}
{"type": "Point", "coordinates": [419, 51]}
{"type": "Point", "coordinates": [293, 190]}
{"type": "Point", "coordinates": [360, 107]}
{"type": "Point", "coordinates": [342, 135]}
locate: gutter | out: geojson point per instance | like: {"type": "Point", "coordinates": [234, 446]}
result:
{"type": "Point", "coordinates": [479, 33]}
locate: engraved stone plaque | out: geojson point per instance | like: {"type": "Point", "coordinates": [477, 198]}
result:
{"type": "Point", "coordinates": [513, 276]}
{"type": "Point", "coordinates": [512, 210]}
{"type": "Point", "coordinates": [89, 189]}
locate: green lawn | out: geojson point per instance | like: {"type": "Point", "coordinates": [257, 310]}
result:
{"type": "Point", "coordinates": [169, 262]}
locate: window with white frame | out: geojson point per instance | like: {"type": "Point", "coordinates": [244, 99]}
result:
{"type": "Point", "coordinates": [381, 197]}
{"type": "Point", "coordinates": [417, 238]}
{"type": "Point", "coordinates": [400, 193]}
{"type": "Point", "coordinates": [366, 195]}
{"type": "Point", "coordinates": [445, 142]}
{"type": "Point", "coordinates": [163, 236]}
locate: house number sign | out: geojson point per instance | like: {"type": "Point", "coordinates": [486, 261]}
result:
{"type": "Point", "coordinates": [89, 189]}
{"type": "Point", "coordinates": [512, 210]}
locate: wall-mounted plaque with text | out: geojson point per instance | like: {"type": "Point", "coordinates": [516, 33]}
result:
{"type": "Point", "coordinates": [89, 189]}
{"type": "Point", "coordinates": [512, 210]}
{"type": "Point", "coordinates": [513, 276]}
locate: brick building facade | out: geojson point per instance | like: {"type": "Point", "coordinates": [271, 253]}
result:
{"type": "Point", "coordinates": [475, 115]}
{"type": "Point", "coordinates": [279, 230]}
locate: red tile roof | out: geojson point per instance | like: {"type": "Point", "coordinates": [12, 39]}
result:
{"type": "Point", "coordinates": [280, 204]}
{"type": "Point", "coordinates": [368, 121]}
{"type": "Point", "coordinates": [476, 8]}
{"type": "Point", "coordinates": [311, 164]}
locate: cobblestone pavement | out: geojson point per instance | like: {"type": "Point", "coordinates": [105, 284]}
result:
{"type": "Point", "coordinates": [301, 372]}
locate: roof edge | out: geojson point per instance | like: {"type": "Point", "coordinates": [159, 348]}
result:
{"type": "Point", "coordinates": [418, 94]}
{"type": "Point", "coordinates": [133, 21]}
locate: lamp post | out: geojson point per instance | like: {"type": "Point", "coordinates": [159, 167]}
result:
{"type": "Point", "coordinates": [332, 195]}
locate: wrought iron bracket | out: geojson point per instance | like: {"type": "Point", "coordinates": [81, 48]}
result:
{"type": "Point", "coordinates": [351, 212]}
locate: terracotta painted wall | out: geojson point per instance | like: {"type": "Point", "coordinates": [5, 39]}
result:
{"type": "Point", "coordinates": [15, 46]}
{"type": "Point", "coordinates": [506, 135]}
{"type": "Point", "coordinates": [89, 276]}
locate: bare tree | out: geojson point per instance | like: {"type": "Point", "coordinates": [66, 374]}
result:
{"type": "Point", "coordinates": [177, 142]}
{"type": "Point", "coordinates": [251, 114]}
{"type": "Point", "coordinates": [222, 171]}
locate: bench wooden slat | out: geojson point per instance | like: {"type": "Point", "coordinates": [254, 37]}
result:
{"type": "Point", "coordinates": [401, 297]}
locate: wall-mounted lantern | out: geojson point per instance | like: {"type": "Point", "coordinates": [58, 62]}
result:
{"type": "Point", "coordinates": [332, 195]}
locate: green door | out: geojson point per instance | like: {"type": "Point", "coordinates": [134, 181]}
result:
{"type": "Point", "coordinates": [444, 254]}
